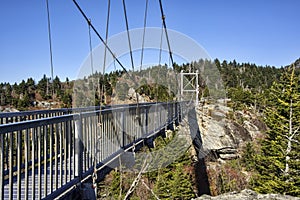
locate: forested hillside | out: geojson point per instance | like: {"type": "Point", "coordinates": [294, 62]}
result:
{"type": "Point", "coordinates": [26, 94]}
{"type": "Point", "coordinates": [245, 83]}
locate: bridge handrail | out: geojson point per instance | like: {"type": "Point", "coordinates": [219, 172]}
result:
{"type": "Point", "coordinates": [57, 142]}
{"type": "Point", "coordinates": [18, 126]}
{"type": "Point", "coordinates": [11, 117]}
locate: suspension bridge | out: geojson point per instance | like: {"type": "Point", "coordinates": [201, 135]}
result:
{"type": "Point", "coordinates": [60, 153]}
{"type": "Point", "coordinates": [49, 154]}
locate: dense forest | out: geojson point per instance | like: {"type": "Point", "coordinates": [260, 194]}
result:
{"type": "Point", "coordinates": [245, 83]}
{"type": "Point", "coordinates": [26, 94]}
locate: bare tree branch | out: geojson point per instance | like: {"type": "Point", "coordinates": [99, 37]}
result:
{"type": "Point", "coordinates": [150, 190]}
{"type": "Point", "coordinates": [137, 179]}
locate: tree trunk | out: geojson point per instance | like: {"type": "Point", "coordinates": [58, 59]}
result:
{"type": "Point", "coordinates": [289, 145]}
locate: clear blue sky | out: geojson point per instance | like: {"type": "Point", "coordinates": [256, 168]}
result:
{"type": "Point", "coordinates": [264, 32]}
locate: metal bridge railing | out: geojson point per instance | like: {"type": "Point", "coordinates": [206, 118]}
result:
{"type": "Point", "coordinates": [12, 117]}
{"type": "Point", "coordinates": [46, 157]}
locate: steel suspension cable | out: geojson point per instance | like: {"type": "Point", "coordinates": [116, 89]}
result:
{"type": "Point", "coordinates": [144, 33]}
{"type": "Point", "coordinates": [50, 44]}
{"type": "Point", "coordinates": [106, 34]}
{"type": "Point", "coordinates": [138, 113]}
{"type": "Point", "coordinates": [138, 117]}
{"type": "Point", "coordinates": [128, 34]}
{"type": "Point", "coordinates": [106, 46]}
{"type": "Point", "coordinates": [167, 38]}
{"type": "Point", "coordinates": [94, 175]}
{"type": "Point", "coordinates": [160, 45]}
{"type": "Point", "coordinates": [91, 48]}
{"type": "Point", "coordinates": [99, 36]}
{"type": "Point", "coordinates": [166, 31]}
{"type": "Point", "coordinates": [101, 92]}
{"type": "Point", "coordinates": [159, 59]}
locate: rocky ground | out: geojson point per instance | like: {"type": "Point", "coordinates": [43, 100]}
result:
{"type": "Point", "coordinates": [8, 109]}
{"type": "Point", "coordinates": [248, 195]}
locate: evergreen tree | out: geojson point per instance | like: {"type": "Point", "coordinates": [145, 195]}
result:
{"type": "Point", "coordinates": [57, 86]}
{"type": "Point", "coordinates": [30, 84]}
{"type": "Point", "coordinates": [279, 161]}
{"type": "Point", "coordinates": [248, 156]}
{"type": "Point", "coordinates": [67, 99]}
{"type": "Point", "coordinates": [22, 87]}
{"type": "Point", "coordinates": [174, 182]}
{"type": "Point", "coordinates": [43, 87]}
{"type": "Point", "coordinates": [24, 102]}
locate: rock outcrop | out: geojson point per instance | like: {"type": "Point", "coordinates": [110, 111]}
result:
{"type": "Point", "coordinates": [221, 135]}
{"type": "Point", "coordinates": [248, 195]}
{"type": "Point", "coordinates": [8, 109]}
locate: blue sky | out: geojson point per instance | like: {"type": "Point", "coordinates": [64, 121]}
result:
{"type": "Point", "coordinates": [264, 32]}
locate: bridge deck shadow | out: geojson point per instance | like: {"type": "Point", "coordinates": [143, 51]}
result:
{"type": "Point", "coordinates": [202, 182]}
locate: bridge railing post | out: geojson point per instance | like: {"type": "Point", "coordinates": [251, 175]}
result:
{"type": "Point", "coordinates": [123, 132]}
{"type": "Point", "coordinates": [146, 128]}
{"type": "Point", "coordinates": [179, 107]}
{"type": "Point", "coordinates": [2, 166]}
{"type": "Point", "coordinates": [78, 146]}
{"type": "Point", "coordinates": [169, 117]}
{"type": "Point", "coordinates": [176, 114]}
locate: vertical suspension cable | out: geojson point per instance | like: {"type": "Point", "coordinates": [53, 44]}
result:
{"type": "Point", "coordinates": [106, 34]}
{"type": "Point", "coordinates": [105, 50]}
{"type": "Point", "coordinates": [159, 60]}
{"type": "Point", "coordinates": [144, 33]}
{"type": "Point", "coordinates": [160, 46]}
{"type": "Point", "coordinates": [137, 117]}
{"type": "Point", "coordinates": [50, 45]}
{"type": "Point", "coordinates": [167, 37]}
{"type": "Point", "coordinates": [128, 35]}
{"type": "Point", "coordinates": [115, 67]}
{"type": "Point", "coordinates": [91, 48]}
{"type": "Point", "coordinates": [101, 91]}
{"type": "Point", "coordinates": [94, 175]}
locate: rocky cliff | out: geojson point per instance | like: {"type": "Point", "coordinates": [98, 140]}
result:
{"type": "Point", "coordinates": [224, 131]}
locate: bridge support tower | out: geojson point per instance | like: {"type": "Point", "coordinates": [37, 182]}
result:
{"type": "Point", "coordinates": [189, 84]}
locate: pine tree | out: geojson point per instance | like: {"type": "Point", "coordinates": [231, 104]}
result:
{"type": "Point", "coordinates": [43, 87]}
{"type": "Point", "coordinates": [248, 156]}
{"type": "Point", "coordinates": [279, 161]}
{"type": "Point", "coordinates": [174, 181]}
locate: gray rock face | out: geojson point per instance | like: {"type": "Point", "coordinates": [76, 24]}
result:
{"type": "Point", "coordinates": [248, 195]}
{"type": "Point", "coordinates": [8, 109]}
{"type": "Point", "coordinates": [218, 132]}
{"type": "Point", "coordinates": [133, 95]}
